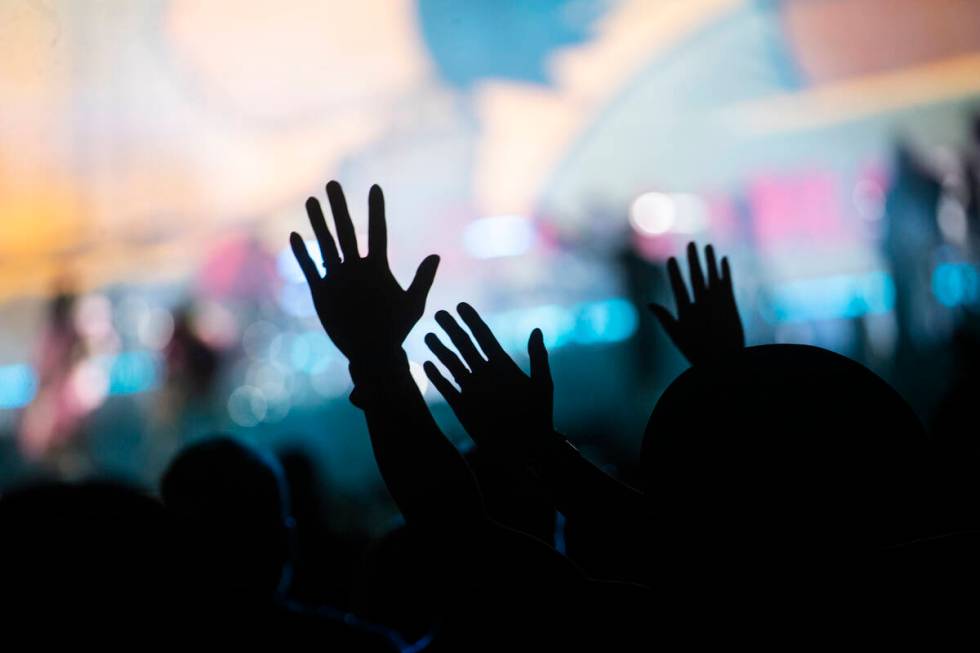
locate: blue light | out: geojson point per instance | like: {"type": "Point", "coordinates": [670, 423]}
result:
{"type": "Point", "coordinates": [132, 372]}
{"type": "Point", "coordinates": [296, 300]}
{"type": "Point", "coordinates": [608, 320]}
{"type": "Point", "coordinates": [589, 323]}
{"type": "Point", "coordinates": [954, 284]}
{"type": "Point", "coordinates": [18, 385]}
{"type": "Point", "coordinates": [505, 235]}
{"type": "Point", "coordinates": [312, 352]}
{"type": "Point", "coordinates": [512, 328]}
{"type": "Point", "coordinates": [470, 42]}
{"type": "Point", "coordinates": [833, 297]}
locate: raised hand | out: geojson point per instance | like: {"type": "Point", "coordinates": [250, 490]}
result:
{"type": "Point", "coordinates": [509, 415]}
{"type": "Point", "coordinates": [707, 328]}
{"type": "Point", "coordinates": [360, 304]}
{"type": "Point", "coordinates": [501, 407]}
{"type": "Point", "coordinates": [367, 315]}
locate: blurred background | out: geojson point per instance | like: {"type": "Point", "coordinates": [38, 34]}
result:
{"type": "Point", "coordinates": [155, 155]}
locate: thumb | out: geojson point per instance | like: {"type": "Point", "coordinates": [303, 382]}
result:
{"type": "Point", "coordinates": [540, 365]}
{"type": "Point", "coordinates": [422, 283]}
{"type": "Point", "coordinates": [667, 321]}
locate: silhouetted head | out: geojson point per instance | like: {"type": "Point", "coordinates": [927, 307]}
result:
{"type": "Point", "coordinates": [233, 501]}
{"type": "Point", "coordinates": [786, 448]}
{"type": "Point", "coordinates": [87, 549]}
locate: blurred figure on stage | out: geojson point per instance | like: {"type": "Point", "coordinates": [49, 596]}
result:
{"type": "Point", "coordinates": [185, 405]}
{"type": "Point", "coordinates": [55, 417]}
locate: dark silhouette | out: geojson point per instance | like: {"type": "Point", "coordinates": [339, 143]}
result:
{"type": "Point", "coordinates": [953, 416]}
{"type": "Point", "coordinates": [402, 584]}
{"type": "Point", "coordinates": [496, 397]}
{"type": "Point", "coordinates": [504, 585]}
{"type": "Point", "coordinates": [509, 412]}
{"type": "Point", "coordinates": [777, 465]}
{"type": "Point", "coordinates": [512, 496]}
{"type": "Point", "coordinates": [324, 559]}
{"type": "Point", "coordinates": [233, 505]}
{"type": "Point", "coordinates": [84, 551]}
{"type": "Point", "coordinates": [235, 499]}
{"type": "Point", "coordinates": [707, 326]}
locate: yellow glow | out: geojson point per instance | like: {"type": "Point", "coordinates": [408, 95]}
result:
{"type": "Point", "coordinates": [853, 99]}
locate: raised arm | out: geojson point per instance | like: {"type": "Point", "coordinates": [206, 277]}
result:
{"type": "Point", "coordinates": [707, 328]}
{"type": "Point", "coordinates": [367, 314]}
{"type": "Point", "coordinates": [509, 414]}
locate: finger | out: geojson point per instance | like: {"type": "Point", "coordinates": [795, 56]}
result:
{"type": "Point", "coordinates": [712, 265]}
{"type": "Point", "coordinates": [342, 221]}
{"type": "Point", "coordinates": [302, 255]}
{"type": "Point", "coordinates": [328, 248]}
{"type": "Point", "coordinates": [418, 291]}
{"type": "Point", "coordinates": [442, 384]}
{"type": "Point", "coordinates": [726, 273]}
{"type": "Point", "coordinates": [460, 339]}
{"type": "Point", "coordinates": [377, 227]}
{"type": "Point", "coordinates": [447, 357]}
{"type": "Point", "coordinates": [677, 285]}
{"type": "Point", "coordinates": [538, 353]}
{"type": "Point", "coordinates": [667, 321]}
{"type": "Point", "coordinates": [484, 336]}
{"type": "Point", "coordinates": [694, 267]}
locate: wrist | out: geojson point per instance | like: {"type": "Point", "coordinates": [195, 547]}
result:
{"type": "Point", "coordinates": [373, 370]}
{"type": "Point", "coordinates": [377, 362]}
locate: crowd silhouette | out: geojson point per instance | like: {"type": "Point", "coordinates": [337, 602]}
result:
{"type": "Point", "coordinates": [784, 486]}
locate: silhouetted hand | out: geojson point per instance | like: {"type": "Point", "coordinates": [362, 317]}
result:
{"type": "Point", "coordinates": [708, 328]}
{"type": "Point", "coordinates": [499, 405]}
{"type": "Point", "coordinates": [359, 302]}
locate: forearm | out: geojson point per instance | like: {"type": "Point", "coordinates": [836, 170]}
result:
{"type": "Point", "coordinates": [581, 489]}
{"type": "Point", "coordinates": [593, 501]}
{"type": "Point", "coordinates": [425, 474]}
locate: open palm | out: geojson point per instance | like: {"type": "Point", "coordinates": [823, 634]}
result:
{"type": "Point", "coordinates": [502, 408]}
{"type": "Point", "coordinates": [360, 304]}
{"type": "Point", "coordinates": [708, 327]}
